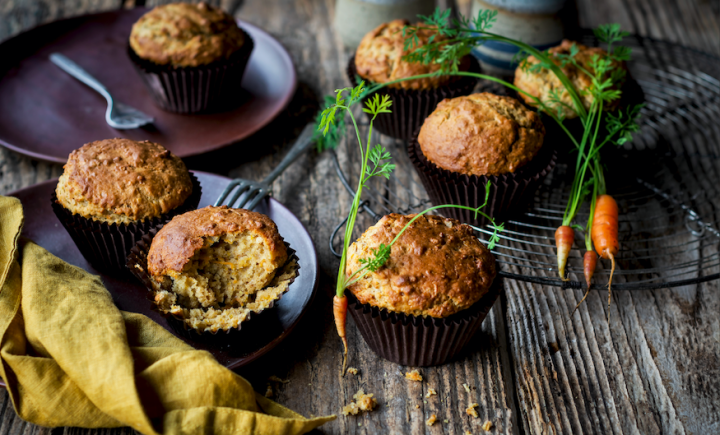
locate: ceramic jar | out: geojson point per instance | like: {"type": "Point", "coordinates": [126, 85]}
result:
{"type": "Point", "coordinates": [355, 18]}
{"type": "Point", "coordinates": [535, 22]}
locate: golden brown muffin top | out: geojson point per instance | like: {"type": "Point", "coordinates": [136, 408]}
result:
{"type": "Point", "coordinates": [174, 245]}
{"type": "Point", "coordinates": [541, 83]}
{"type": "Point", "coordinates": [481, 134]}
{"type": "Point", "coordinates": [186, 35]}
{"type": "Point", "coordinates": [123, 181]}
{"type": "Point", "coordinates": [379, 58]}
{"type": "Point", "coordinates": [436, 268]}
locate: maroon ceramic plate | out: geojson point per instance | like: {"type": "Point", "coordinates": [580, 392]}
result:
{"type": "Point", "coordinates": [43, 228]}
{"type": "Point", "coordinates": [46, 113]}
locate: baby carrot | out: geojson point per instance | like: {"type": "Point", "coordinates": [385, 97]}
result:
{"type": "Point", "coordinates": [340, 313]}
{"type": "Point", "coordinates": [605, 233]}
{"type": "Point", "coordinates": [564, 237]}
{"type": "Point", "coordinates": [589, 263]}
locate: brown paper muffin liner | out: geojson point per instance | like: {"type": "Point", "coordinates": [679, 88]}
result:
{"type": "Point", "coordinates": [205, 88]}
{"type": "Point", "coordinates": [106, 246]}
{"type": "Point", "coordinates": [507, 191]}
{"type": "Point", "coordinates": [137, 264]}
{"type": "Point", "coordinates": [411, 107]}
{"type": "Point", "coordinates": [420, 341]}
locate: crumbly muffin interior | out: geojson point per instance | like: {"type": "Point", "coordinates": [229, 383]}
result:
{"type": "Point", "coordinates": [227, 272]}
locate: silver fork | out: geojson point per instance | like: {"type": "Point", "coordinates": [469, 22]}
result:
{"type": "Point", "coordinates": [253, 191]}
{"type": "Point", "coordinates": [118, 115]}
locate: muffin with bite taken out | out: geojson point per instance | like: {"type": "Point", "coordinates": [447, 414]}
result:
{"type": "Point", "coordinates": [210, 269]}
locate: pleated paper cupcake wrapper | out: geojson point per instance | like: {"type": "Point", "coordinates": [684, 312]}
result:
{"type": "Point", "coordinates": [507, 191]}
{"type": "Point", "coordinates": [137, 264]}
{"type": "Point", "coordinates": [419, 341]}
{"type": "Point", "coordinates": [106, 246]}
{"type": "Point", "coordinates": [411, 107]}
{"type": "Point", "coordinates": [208, 88]}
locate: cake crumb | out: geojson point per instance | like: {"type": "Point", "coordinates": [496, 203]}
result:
{"type": "Point", "coordinates": [471, 410]}
{"type": "Point", "coordinates": [414, 376]}
{"type": "Point", "coordinates": [430, 421]}
{"type": "Point", "coordinates": [274, 378]}
{"type": "Point", "coordinates": [445, 421]}
{"type": "Point", "coordinates": [362, 402]}
{"type": "Point", "coordinates": [269, 391]}
{"type": "Point", "coordinates": [430, 392]}
{"type": "Point", "coordinates": [487, 425]}
{"type": "Point", "coordinates": [352, 370]}
{"type": "Point", "coordinates": [467, 388]}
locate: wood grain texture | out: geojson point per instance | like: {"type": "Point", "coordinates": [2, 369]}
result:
{"type": "Point", "coordinates": [532, 368]}
{"type": "Point", "coordinates": [653, 368]}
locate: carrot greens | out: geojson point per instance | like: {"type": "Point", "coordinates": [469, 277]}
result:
{"type": "Point", "coordinates": [375, 162]}
{"type": "Point", "coordinates": [455, 38]}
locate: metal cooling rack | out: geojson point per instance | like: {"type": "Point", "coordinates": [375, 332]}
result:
{"type": "Point", "coordinates": [667, 185]}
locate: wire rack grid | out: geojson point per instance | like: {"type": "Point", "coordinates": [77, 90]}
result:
{"type": "Point", "coordinates": [666, 182]}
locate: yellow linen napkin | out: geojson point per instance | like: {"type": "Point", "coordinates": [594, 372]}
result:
{"type": "Point", "coordinates": [71, 358]}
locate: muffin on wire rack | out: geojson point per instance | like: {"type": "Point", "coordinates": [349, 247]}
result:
{"type": "Point", "coordinates": [114, 191]}
{"type": "Point", "coordinates": [378, 59]}
{"type": "Point", "coordinates": [210, 270]}
{"type": "Point", "coordinates": [470, 140]}
{"type": "Point", "coordinates": [431, 295]}
{"type": "Point", "coordinates": [191, 57]}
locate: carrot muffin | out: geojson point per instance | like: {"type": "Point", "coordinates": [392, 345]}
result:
{"type": "Point", "coordinates": [215, 266]}
{"type": "Point", "coordinates": [186, 35]}
{"type": "Point", "coordinates": [470, 141]}
{"type": "Point", "coordinates": [543, 83]}
{"type": "Point", "coordinates": [121, 181]}
{"type": "Point", "coordinates": [114, 191]}
{"type": "Point", "coordinates": [481, 134]}
{"type": "Point", "coordinates": [431, 295]}
{"type": "Point", "coordinates": [436, 268]}
{"type": "Point", "coordinates": [184, 54]}
{"type": "Point", "coordinates": [379, 59]}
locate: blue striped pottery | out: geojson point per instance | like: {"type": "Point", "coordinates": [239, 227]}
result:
{"type": "Point", "coordinates": [541, 30]}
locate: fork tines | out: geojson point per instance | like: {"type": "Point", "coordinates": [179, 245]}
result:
{"type": "Point", "coordinates": [252, 193]}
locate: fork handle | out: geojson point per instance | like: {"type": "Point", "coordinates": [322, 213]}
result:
{"type": "Point", "coordinates": [76, 71]}
{"type": "Point", "coordinates": [302, 143]}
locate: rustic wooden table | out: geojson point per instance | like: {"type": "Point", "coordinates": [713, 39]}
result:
{"type": "Point", "coordinates": [654, 368]}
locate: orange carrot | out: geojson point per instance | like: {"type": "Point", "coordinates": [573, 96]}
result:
{"type": "Point", "coordinates": [605, 233]}
{"type": "Point", "coordinates": [340, 313]}
{"type": "Point", "coordinates": [564, 237]}
{"type": "Point", "coordinates": [589, 263]}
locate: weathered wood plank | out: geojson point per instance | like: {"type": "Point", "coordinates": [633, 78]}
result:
{"type": "Point", "coordinates": [653, 367]}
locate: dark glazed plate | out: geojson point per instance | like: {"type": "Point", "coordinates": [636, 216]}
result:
{"type": "Point", "coordinates": [46, 113]}
{"type": "Point", "coordinates": [259, 337]}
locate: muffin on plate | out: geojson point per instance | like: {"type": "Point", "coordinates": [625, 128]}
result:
{"type": "Point", "coordinates": [425, 303]}
{"type": "Point", "coordinates": [542, 83]}
{"type": "Point", "coordinates": [115, 190]}
{"type": "Point", "coordinates": [191, 56]}
{"type": "Point", "coordinates": [378, 59]}
{"type": "Point", "coordinates": [470, 140]}
{"type": "Point", "coordinates": [210, 269]}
